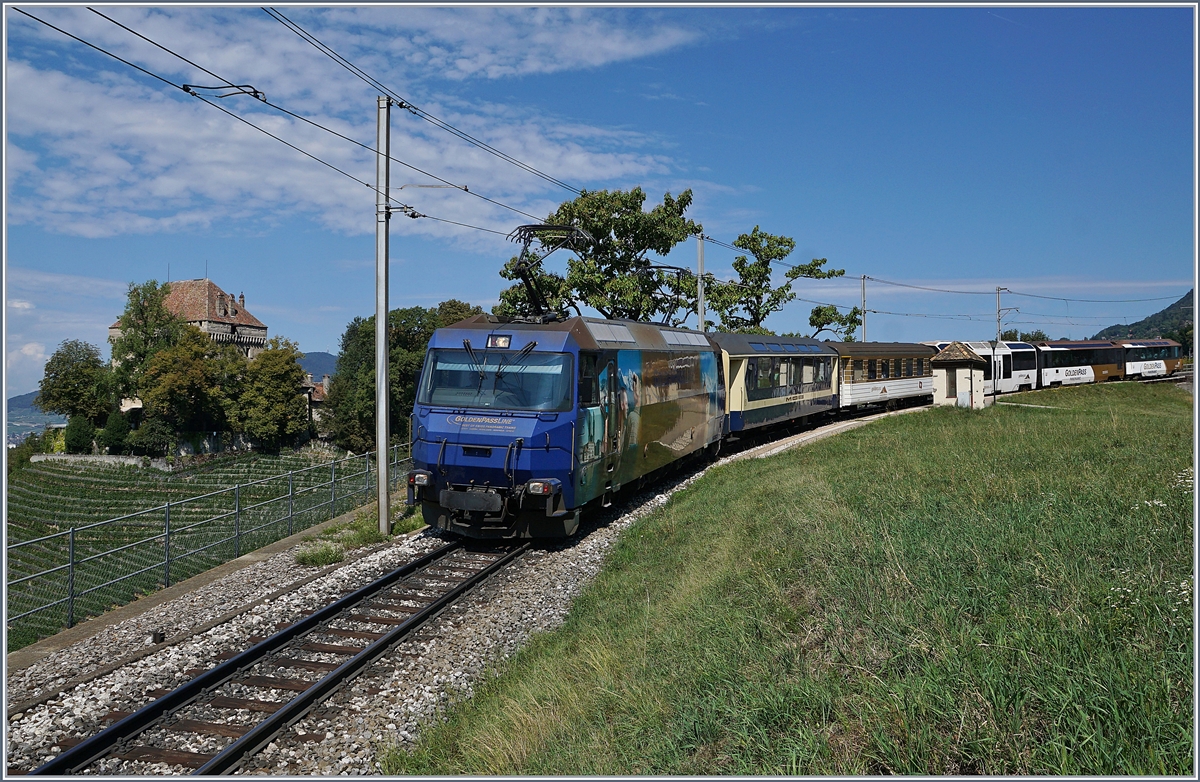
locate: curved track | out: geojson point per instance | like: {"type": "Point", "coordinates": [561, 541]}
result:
{"type": "Point", "coordinates": [256, 694]}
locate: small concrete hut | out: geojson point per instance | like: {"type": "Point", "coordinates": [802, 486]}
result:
{"type": "Point", "coordinates": [958, 377]}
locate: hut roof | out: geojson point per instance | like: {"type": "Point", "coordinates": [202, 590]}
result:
{"type": "Point", "coordinates": [957, 353]}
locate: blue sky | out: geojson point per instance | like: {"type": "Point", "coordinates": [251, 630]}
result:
{"type": "Point", "coordinates": [1048, 150]}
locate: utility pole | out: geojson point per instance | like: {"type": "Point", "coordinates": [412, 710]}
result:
{"type": "Point", "coordinates": [864, 307]}
{"type": "Point", "coordinates": [700, 279]}
{"type": "Point", "coordinates": [998, 289]}
{"type": "Point", "coordinates": [382, 216]}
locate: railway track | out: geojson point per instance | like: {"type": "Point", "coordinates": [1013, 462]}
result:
{"type": "Point", "coordinates": [239, 706]}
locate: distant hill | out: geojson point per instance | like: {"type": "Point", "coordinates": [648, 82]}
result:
{"type": "Point", "coordinates": [24, 418]}
{"type": "Point", "coordinates": [318, 364]}
{"type": "Point", "coordinates": [23, 402]}
{"type": "Point", "coordinates": [1160, 324]}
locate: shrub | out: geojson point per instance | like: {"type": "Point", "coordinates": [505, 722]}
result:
{"type": "Point", "coordinates": [153, 437]}
{"type": "Point", "coordinates": [115, 434]}
{"type": "Point", "coordinates": [79, 435]}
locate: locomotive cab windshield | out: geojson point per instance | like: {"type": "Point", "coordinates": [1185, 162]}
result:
{"type": "Point", "coordinates": [504, 380]}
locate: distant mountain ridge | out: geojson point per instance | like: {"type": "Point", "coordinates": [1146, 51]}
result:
{"type": "Point", "coordinates": [1168, 321]}
{"type": "Point", "coordinates": [318, 363]}
{"type": "Point", "coordinates": [23, 402]}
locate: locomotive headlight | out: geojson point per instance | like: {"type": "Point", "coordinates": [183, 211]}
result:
{"type": "Point", "coordinates": [543, 487]}
{"type": "Point", "coordinates": [419, 478]}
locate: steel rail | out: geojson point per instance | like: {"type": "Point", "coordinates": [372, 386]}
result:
{"type": "Point", "coordinates": [97, 746]}
{"type": "Point", "coordinates": [230, 758]}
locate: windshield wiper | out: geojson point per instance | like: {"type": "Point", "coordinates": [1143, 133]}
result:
{"type": "Point", "coordinates": [474, 360]}
{"type": "Point", "coordinates": [504, 362]}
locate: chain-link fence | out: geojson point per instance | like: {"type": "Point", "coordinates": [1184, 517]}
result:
{"type": "Point", "coordinates": [56, 580]}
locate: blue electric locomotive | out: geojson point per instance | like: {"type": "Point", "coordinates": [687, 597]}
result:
{"type": "Point", "coordinates": [518, 426]}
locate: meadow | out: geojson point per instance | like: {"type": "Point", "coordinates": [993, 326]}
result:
{"type": "Point", "coordinates": [1006, 591]}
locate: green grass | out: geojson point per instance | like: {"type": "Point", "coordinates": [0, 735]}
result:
{"type": "Point", "coordinates": [330, 545]}
{"type": "Point", "coordinates": [948, 592]}
{"type": "Point", "coordinates": [320, 554]}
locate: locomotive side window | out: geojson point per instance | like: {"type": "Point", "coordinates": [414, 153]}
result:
{"type": "Point", "coordinates": [589, 385]}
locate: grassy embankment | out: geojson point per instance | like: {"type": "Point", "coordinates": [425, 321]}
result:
{"type": "Point", "coordinates": [999, 592]}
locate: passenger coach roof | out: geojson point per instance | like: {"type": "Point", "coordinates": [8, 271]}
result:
{"type": "Point", "coordinates": [869, 349]}
{"type": "Point", "coordinates": [751, 344]}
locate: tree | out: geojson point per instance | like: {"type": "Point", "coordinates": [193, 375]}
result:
{"type": "Point", "coordinates": [451, 311]}
{"type": "Point", "coordinates": [351, 399]}
{"type": "Point", "coordinates": [514, 300]}
{"type": "Point", "coordinates": [147, 327]}
{"type": "Point", "coordinates": [826, 317]}
{"type": "Point", "coordinates": [153, 437]}
{"type": "Point", "coordinates": [1012, 335]}
{"type": "Point", "coordinates": [180, 384]}
{"type": "Point", "coordinates": [79, 434]}
{"type": "Point", "coordinates": [611, 275]}
{"type": "Point", "coordinates": [745, 303]}
{"type": "Point", "coordinates": [273, 409]}
{"type": "Point", "coordinates": [76, 382]}
{"type": "Point", "coordinates": [115, 434]}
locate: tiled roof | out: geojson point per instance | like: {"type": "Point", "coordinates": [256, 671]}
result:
{"type": "Point", "coordinates": [196, 300]}
{"type": "Point", "coordinates": [957, 352]}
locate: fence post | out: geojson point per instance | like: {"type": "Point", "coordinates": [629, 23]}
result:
{"type": "Point", "coordinates": [367, 474]}
{"type": "Point", "coordinates": [167, 545]}
{"type": "Point", "coordinates": [291, 501]}
{"type": "Point", "coordinates": [333, 488]}
{"type": "Point", "coordinates": [71, 579]}
{"type": "Point", "coordinates": [237, 520]}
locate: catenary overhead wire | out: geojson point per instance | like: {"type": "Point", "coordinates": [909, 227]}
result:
{"type": "Point", "coordinates": [405, 208]}
{"type": "Point", "coordinates": [314, 123]}
{"type": "Point", "coordinates": [416, 111]}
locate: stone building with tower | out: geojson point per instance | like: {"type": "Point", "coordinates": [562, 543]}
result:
{"type": "Point", "coordinates": [217, 313]}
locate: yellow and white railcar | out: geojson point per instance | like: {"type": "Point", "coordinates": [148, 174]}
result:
{"type": "Point", "coordinates": [883, 372]}
{"type": "Point", "coordinates": [776, 379]}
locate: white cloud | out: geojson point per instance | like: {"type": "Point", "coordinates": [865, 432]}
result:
{"type": "Point", "coordinates": [133, 156]}
{"type": "Point", "coordinates": [20, 304]}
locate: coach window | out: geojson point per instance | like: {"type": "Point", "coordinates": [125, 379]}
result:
{"type": "Point", "coordinates": [1023, 360]}
{"type": "Point", "coordinates": [751, 374]}
{"type": "Point", "coordinates": [987, 369]}
{"type": "Point", "coordinates": [858, 370]}
{"type": "Point", "coordinates": [885, 369]}
{"type": "Point", "coordinates": [870, 369]}
{"type": "Point", "coordinates": [765, 370]}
